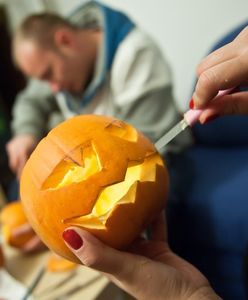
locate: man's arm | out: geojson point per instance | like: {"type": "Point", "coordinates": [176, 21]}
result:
{"type": "Point", "coordinates": [32, 109]}
{"type": "Point", "coordinates": [142, 88]}
{"type": "Point", "coordinates": [31, 112]}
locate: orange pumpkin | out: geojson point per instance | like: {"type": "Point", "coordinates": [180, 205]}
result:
{"type": "Point", "coordinates": [12, 216]}
{"type": "Point", "coordinates": [97, 173]}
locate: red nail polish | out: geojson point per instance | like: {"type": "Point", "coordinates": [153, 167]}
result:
{"type": "Point", "coordinates": [211, 118]}
{"type": "Point", "coordinates": [73, 238]}
{"type": "Point", "coordinates": [191, 104]}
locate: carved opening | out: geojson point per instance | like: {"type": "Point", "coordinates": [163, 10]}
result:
{"type": "Point", "coordinates": [119, 193]}
{"type": "Point", "coordinates": [75, 168]}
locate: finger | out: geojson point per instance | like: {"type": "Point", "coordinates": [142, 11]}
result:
{"type": "Point", "coordinates": [13, 162]}
{"type": "Point", "coordinates": [242, 37]}
{"type": "Point", "coordinates": [158, 228]}
{"type": "Point", "coordinates": [92, 252]}
{"type": "Point", "coordinates": [130, 272]}
{"type": "Point", "coordinates": [227, 52]}
{"type": "Point", "coordinates": [33, 245]}
{"type": "Point", "coordinates": [220, 55]}
{"type": "Point", "coordinates": [22, 229]}
{"type": "Point", "coordinates": [21, 165]}
{"type": "Point", "coordinates": [11, 156]}
{"type": "Point", "coordinates": [228, 105]}
{"type": "Point", "coordinates": [19, 173]}
{"type": "Point", "coordinates": [223, 76]}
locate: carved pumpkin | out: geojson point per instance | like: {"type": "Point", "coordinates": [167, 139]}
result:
{"type": "Point", "coordinates": [97, 173]}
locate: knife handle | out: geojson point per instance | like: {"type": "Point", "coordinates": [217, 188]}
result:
{"type": "Point", "coordinates": [192, 115]}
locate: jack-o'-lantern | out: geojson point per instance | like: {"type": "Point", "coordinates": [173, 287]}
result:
{"type": "Point", "coordinates": [12, 217]}
{"type": "Point", "coordinates": [97, 173]}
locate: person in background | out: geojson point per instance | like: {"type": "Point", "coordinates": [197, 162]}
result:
{"type": "Point", "coordinates": [95, 62]}
{"type": "Point", "coordinates": [149, 269]}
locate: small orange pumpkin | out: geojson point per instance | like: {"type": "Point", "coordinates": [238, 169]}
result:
{"type": "Point", "coordinates": [11, 217]}
{"type": "Point", "coordinates": [97, 173]}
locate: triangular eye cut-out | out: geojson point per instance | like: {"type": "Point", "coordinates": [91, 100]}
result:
{"type": "Point", "coordinates": [122, 130]}
{"type": "Point", "coordinates": [73, 170]}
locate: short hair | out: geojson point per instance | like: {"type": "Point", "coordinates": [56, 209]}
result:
{"type": "Point", "coordinates": [40, 28]}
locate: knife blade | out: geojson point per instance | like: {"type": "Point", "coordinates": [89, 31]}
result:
{"type": "Point", "coordinates": [189, 119]}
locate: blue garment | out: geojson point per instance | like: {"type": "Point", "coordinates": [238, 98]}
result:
{"type": "Point", "coordinates": [208, 205]}
{"type": "Point", "coordinates": [115, 26]}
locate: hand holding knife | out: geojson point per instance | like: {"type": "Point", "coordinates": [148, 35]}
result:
{"type": "Point", "coordinates": [189, 119]}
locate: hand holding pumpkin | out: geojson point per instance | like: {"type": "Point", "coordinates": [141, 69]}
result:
{"type": "Point", "coordinates": [150, 270]}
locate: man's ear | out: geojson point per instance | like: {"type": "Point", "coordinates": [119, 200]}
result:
{"type": "Point", "coordinates": [63, 38]}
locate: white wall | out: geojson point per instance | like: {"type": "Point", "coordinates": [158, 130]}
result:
{"type": "Point", "coordinates": [184, 29]}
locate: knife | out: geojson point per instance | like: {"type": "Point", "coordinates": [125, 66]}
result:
{"type": "Point", "coordinates": [189, 119]}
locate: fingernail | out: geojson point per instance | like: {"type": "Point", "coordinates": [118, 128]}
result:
{"type": "Point", "coordinates": [73, 239]}
{"type": "Point", "coordinates": [191, 104]}
{"type": "Point", "coordinates": [211, 118]}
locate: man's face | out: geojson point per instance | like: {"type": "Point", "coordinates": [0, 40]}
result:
{"type": "Point", "coordinates": [63, 69]}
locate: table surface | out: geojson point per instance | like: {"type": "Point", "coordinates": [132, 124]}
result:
{"type": "Point", "coordinates": [80, 283]}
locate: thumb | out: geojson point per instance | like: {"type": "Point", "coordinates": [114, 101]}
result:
{"type": "Point", "coordinates": [93, 253]}
{"type": "Point", "coordinates": [130, 272]}
{"type": "Point", "coordinates": [22, 229]}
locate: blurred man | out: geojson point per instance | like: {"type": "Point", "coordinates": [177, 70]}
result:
{"type": "Point", "coordinates": [98, 61]}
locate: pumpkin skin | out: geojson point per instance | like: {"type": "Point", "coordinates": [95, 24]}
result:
{"type": "Point", "coordinates": [97, 173]}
